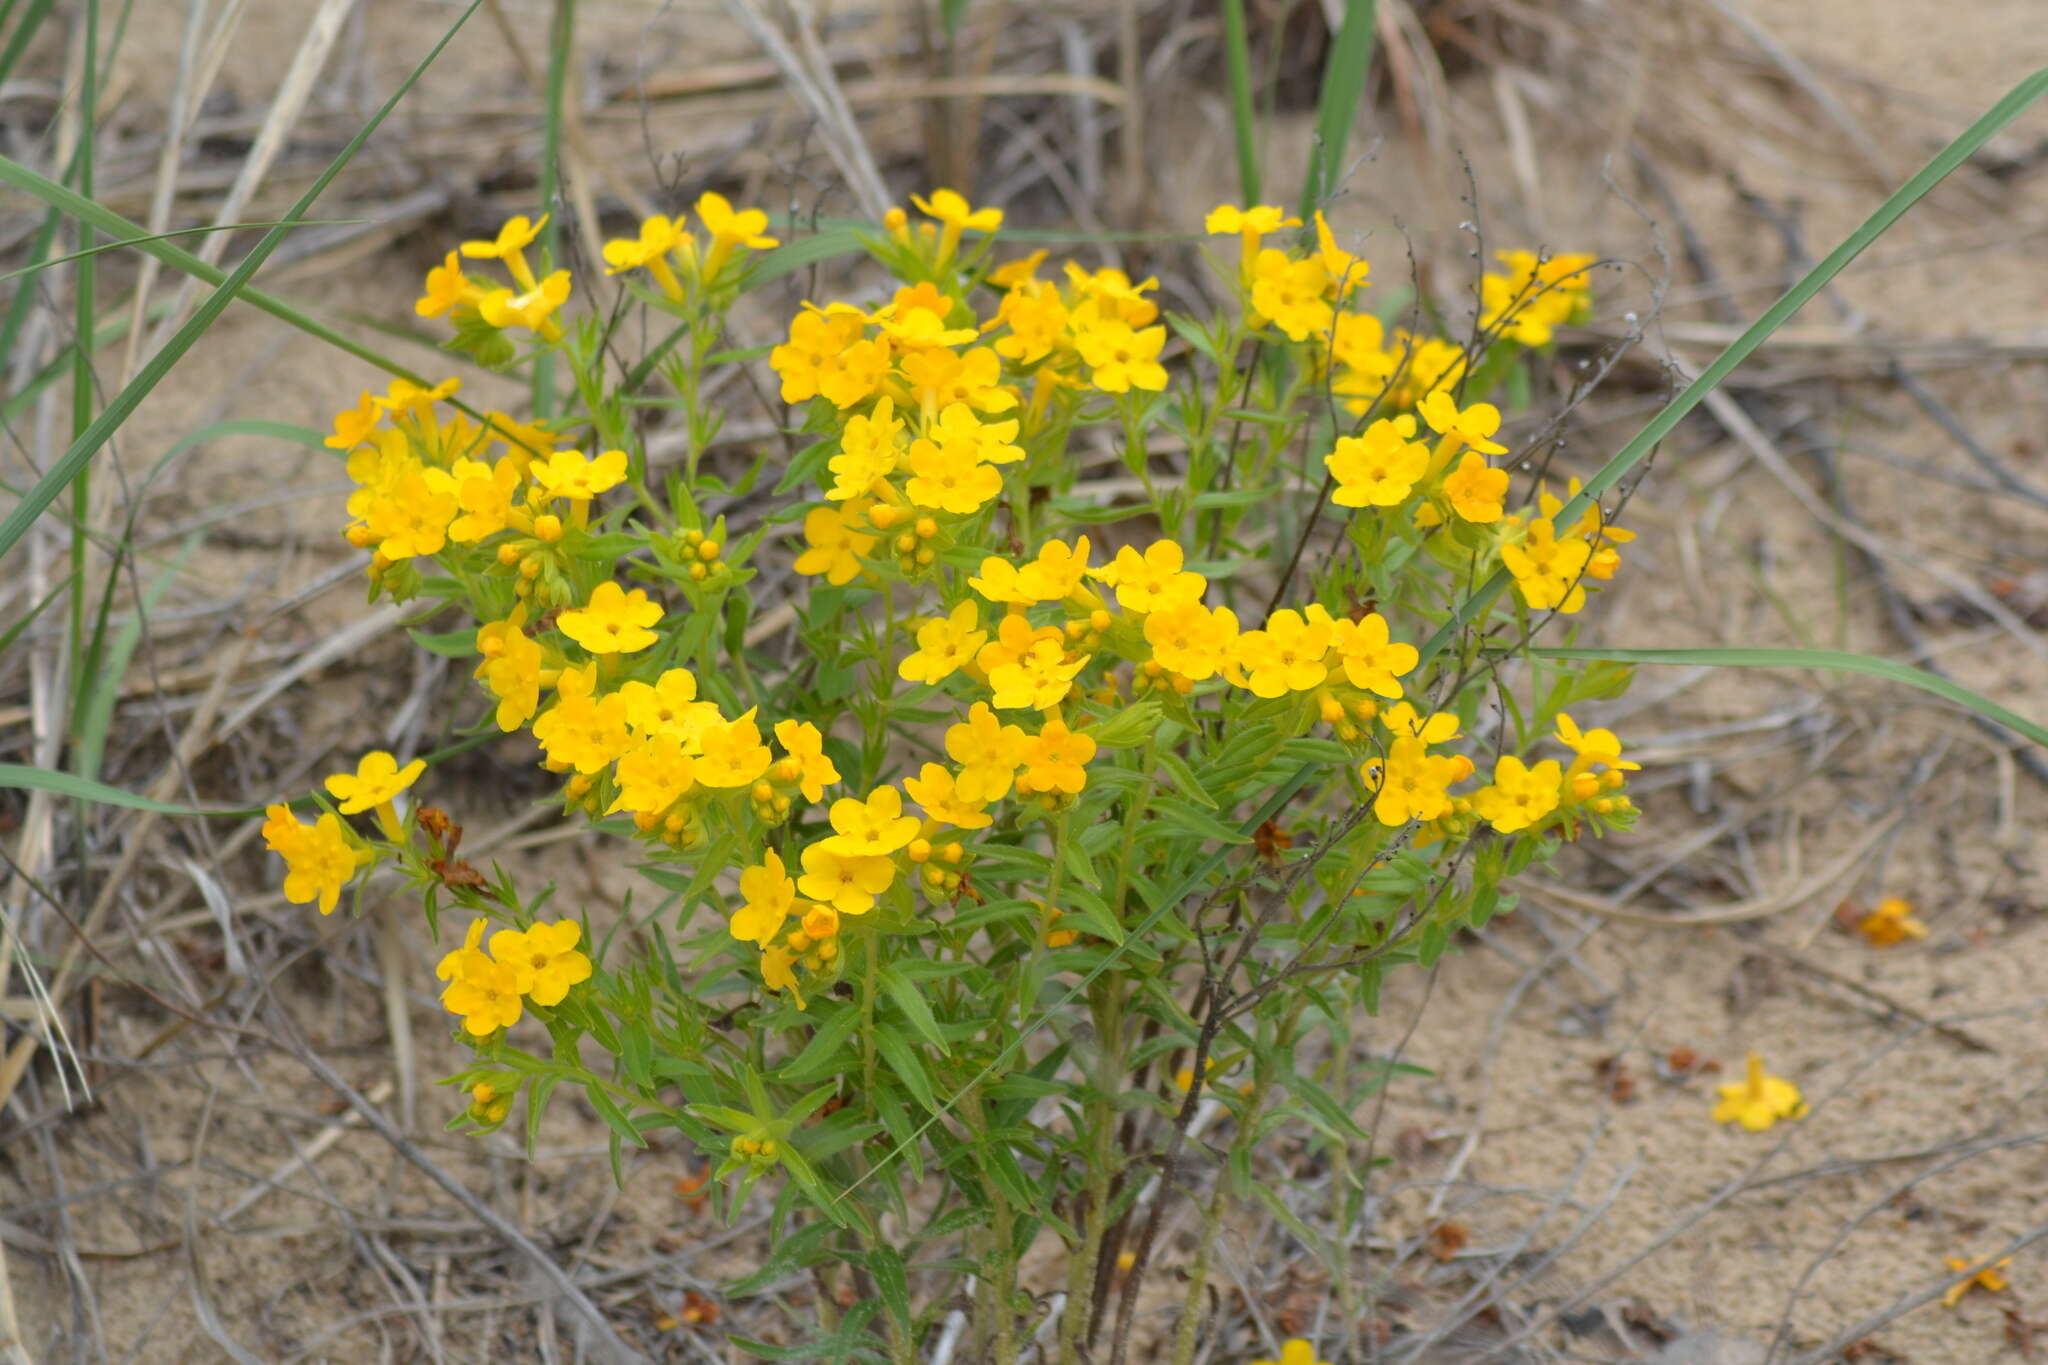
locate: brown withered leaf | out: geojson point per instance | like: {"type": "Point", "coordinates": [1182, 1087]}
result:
{"type": "Point", "coordinates": [455, 872]}
{"type": "Point", "coordinates": [446, 834]}
{"type": "Point", "coordinates": [1446, 1240]}
{"type": "Point", "coordinates": [1270, 840]}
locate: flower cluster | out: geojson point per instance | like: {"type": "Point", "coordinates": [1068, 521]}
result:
{"type": "Point", "coordinates": [1023, 713]}
{"type": "Point", "coordinates": [488, 991]}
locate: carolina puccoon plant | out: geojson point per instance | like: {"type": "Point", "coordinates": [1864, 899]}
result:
{"type": "Point", "coordinates": [1102, 769]}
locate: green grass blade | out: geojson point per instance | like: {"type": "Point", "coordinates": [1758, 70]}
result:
{"type": "Point", "coordinates": [22, 778]}
{"type": "Point", "coordinates": [1237, 49]}
{"type": "Point", "coordinates": [70, 204]}
{"type": "Point", "coordinates": [24, 32]}
{"type": "Point", "coordinates": [87, 445]}
{"type": "Point", "coordinates": [1344, 74]}
{"type": "Point", "coordinates": [101, 692]}
{"type": "Point", "coordinates": [561, 44]}
{"type": "Point", "coordinates": [1819, 660]}
{"type": "Point", "coordinates": [1629, 456]}
{"type": "Point", "coordinates": [100, 247]}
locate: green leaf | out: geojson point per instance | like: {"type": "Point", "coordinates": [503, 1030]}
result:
{"type": "Point", "coordinates": [904, 1061]}
{"type": "Point", "coordinates": [1629, 456]}
{"type": "Point", "coordinates": [907, 999]}
{"type": "Point", "coordinates": [1184, 778]}
{"type": "Point", "coordinates": [1194, 820]}
{"type": "Point", "coordinates": [1820, 660]}
{"type": "Point", "coordinates": [891, 1282]}
{"type": "Point", "coordinates": [449, 644]}
{"type": "Point", "coordinates": [820, 1056]}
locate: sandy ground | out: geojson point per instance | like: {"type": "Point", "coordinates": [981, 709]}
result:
{"type": "Point", "coordinates": [1616, 1199]}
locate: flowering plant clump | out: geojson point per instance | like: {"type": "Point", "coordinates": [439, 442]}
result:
{"type": "Point", "coordinates": [1140, 714]}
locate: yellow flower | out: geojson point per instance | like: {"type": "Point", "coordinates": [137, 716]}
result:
{"type": "Point", "coordinates": [1295, 1352]}
{"type": "Point", "coordinates": [1591, 746]}
{"type": "Point", "coordinates": [954, 214]}
{"type": "Point", "coordinates": [1989, 1279]}
{"type": "Point", "coordinates": [1476, 490]}
{"type": "Point", "coordinates": [988, 752]}
{"type": "Point", "coordinates": [1287, 654]}
{"type": "Point", "coordinates": [873, 828]}
{"type": "Point", "coordinates": [941, 798]}
{"type": "Point", "coordinates": [583, 730]}
{"type": "Point", "coordinates": [511, 668]}
{"type": "Point", "coordinates": [447, 288]}
{"type": "Point", "coordinates": [533, 310]}
{"type": "Point", "coordinates": [544, 960]}
{"type": "Point", "coordinates": [649, 251]}
{"type": "Point", "coordinates": [1413, 784]}
{"type": "Point", "coordinates": [950, 478]}
{"type": "Point", "coordinates": [409, 399]}
{"type": "Point", "coordinates": [1154, 580]}
{"type": "Point", "coordinates": [1535, 296]}
{"type": "Point", "coordinates": [483, 992]}
{"type": "Point", "coordinates": [1015, 638]}
{"type": "Point", "coordinates": [917, 318]}
{"type": "Point", "coordinates": [319, 858]}
{"type": "Point", "coordinates": [1055, 760]}
{"type": "Point", "coordinates": [1547, 570]}
{"type": "Point", "coordinates": [856, 373]}
{"type": "Point", "coordinates": [1291, 293]}
{"type": "Point", "coordinates": [728, 229]}
{"type": "Point", "coordinates": [1037, 679]}
{"type": "Point", "coordinates": [1190, 639]}
{"type": "Point", "coordinates": [376, 780]}
{"type": "Point", "coordinates": [1520, 795]}
{"type": "Point", "coordinates": [821, 922]}
{"type": "Point", "coordinates": [1347, 272]}
{"type": "Point", "coordinates": [614, 621]}
{"type": "Point", "coordinates": [939, 378]}
{"type": "Point", "coordinates": [353, 426]}
{"type": "Point", "coordinates": [407, 511]}
{"type": "Point", "coordinates": [567, 474]}
{"type": "Point", "coordinates": [805, 745]}
{"type": "Point", "coordinates": [1121, 358]}
{"type": "Point", "coordinates": [1371, 660]}
{"type": "Point", "coordinates": [667, 708]}
{"type": "Point", "coordinates": [989, 441]}
{"type": "Point", "coordinates": [733, 754]}
{"type": "Point", "coordinates": [1057, 571]}
{"type": "Point", "coordinates": [1891, 923]}
{"type": "Point", "coordinates": [1759, 1099]}
{"type": "Point", "coordinates": [778, 974]}
{"type": "Point", "coordinates": [767, 896]}
{"type": "Point", "coordinates": [867, 453]}
{"type": "Point", "coordinates": [834, 545]}
{"type": "Point", "coordinates": [1380, 467]}
{"type": "Point", "coordinates": [653, 775]}
{"type": "Point", "coordinates": [1249, 224]}
{"type": "Point", "coordinates": [1440, 727]}
{"type": "Point", "coordinates": [847, 883]}
{"type": "Point", "coordinates": [1022, 271]}
{"type": "Point", "coordinates": [514, 237]}
{"type": "Point", "coordinates": [1474, 426]}
{"type": "Point", "coordinates": [816, 340]}
{"type": "Point", "coordinates": [485, 493]}
{"type": "Point", "coordinates": [1037, 318]}
{"type": "Point", "coordinates": [944, 645]}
